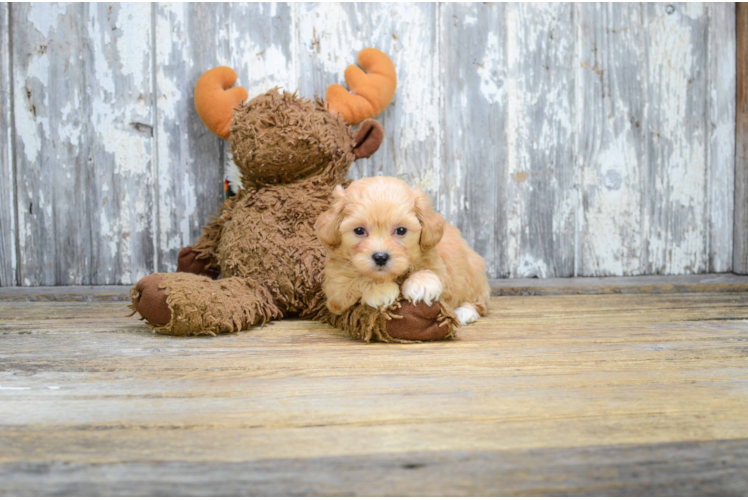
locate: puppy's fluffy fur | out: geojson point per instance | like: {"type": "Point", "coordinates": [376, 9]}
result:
{"type": "Point", "coordinates": [380, 216]}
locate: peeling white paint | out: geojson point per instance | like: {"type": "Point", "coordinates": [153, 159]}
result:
{"type": "Point", "coordinates": [325, 33]}
{"type": "Point", "coordinates": [44, 16]}
{"type": "Point", "coordinates": [530, 267]}
{"type": "Point", "coordinates": [684, 158]}
{"type": "Point", "coordinates": [678, 154]}
{"type": "Point", "coordinates": [259, 68]}
{"type": "Point", "coordinates": [722, 71]}
{"type": "Point", "coordinates": [8, 240]}
{"type": "Point", "coordinates": [489, 69]}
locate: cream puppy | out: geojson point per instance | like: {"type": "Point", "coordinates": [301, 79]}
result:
{"type": "Point", "coordinates": [379, 231]}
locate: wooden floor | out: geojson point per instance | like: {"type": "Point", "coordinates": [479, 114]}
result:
{"type": "Point", "coordinates": [642, 393]}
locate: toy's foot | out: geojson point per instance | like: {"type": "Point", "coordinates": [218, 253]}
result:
{"type": "Point", "coordinates": [187, 262]}
{"type": "Point", "coordinates": [150, 301]}
{"type": "Point", "coordinates": [419, 322]}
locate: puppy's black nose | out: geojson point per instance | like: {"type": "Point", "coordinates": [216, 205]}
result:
{"type": "Point", "coordinates": [380, 258]}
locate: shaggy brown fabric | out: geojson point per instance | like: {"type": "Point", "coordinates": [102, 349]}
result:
{"type": "Point", "coordinates": [280, 138]}
{"type": "Point", "coordinates": [199, 305]}
{"type": "Point", "coordinates": [189, 262]}
{"type": "Point", "coordinates": [402, 322]}
{"type": "Point", "coordinates": [268, 234]}
{"type": "Point", "coordinates": [291, 154]}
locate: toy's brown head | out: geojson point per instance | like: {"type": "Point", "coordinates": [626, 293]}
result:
{"type": "Point", "coordinates": [279, 137]}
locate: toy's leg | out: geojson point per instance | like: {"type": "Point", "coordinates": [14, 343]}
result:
{"type": "Point", "coordinates": [401, 322]}
{"type": "Point", "coordinates": [187, 304]}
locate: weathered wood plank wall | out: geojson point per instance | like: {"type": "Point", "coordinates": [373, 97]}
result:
{"type": "Point", "coordinates": [563, 139]}
{"type": "Point", "coordinates": [7, 184]}
{"type": "Point", "coordinates": [740, 257]}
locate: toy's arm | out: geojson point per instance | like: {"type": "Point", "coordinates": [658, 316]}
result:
{"type": "Point", "coordinates": [206, 246]}
{"type": "Point", "coordinates": [201, 258]}
{"type": "Point", "coordinates": [402, 322]}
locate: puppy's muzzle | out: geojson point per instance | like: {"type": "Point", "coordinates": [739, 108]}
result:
{"type": "Point", "coordinates": [380, 258]}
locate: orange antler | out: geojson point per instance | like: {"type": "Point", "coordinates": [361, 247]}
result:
{"type": "Point", "coordinates": [371, 91]}
{"type": "Point", "coordinates": [215, 100]}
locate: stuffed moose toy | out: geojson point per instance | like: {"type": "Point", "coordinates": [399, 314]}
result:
{"type": "Point", "coordinates": [289, 153]}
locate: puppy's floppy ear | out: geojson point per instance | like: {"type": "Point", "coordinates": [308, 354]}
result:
{"type": "Point", "coordinates": [328, 223]}
{"type": "Point", "coordinates": [432, 223]}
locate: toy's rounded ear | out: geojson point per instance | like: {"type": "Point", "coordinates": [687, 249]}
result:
{"type": "Point", "coordinates": [369, 137]}
{"type": "Point", "coordinates": [215, 100]}
{"type": "Point", "coordinates": [372, 88]}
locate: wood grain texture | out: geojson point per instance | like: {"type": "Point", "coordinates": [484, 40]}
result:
{"type": "Point", "coordinates": [189, 39]}
{"type": "Point", "coordinates": [721, 134]}
{"type": "Point", "coordinates": [7, 180]}
{"type": "Point", "coordinates": [81, 76]}
{"type": "Point", "coordinates": [330, 37]}
{"type": "Point", "coordinates": [560, 386]}
{"type": "Point", "coordinates": [120, 142]}
{"type": "Point", "coordinates": [691, 468]}
{"type": "Point", "coordinates": [541, 223]}
{"type": "Point", "coordinates": [563, 140]}
{"type": "Point", "coordinates": [740, 242]}
{"type": "Point", "coordinates": [610, 143]}
{"type": "Point", "coordinates": [260, 41]}
{"type": "Point", "coordinates": [474, 123]}
{"type": "Point", "coordinates": [675, 217]}
{"type": "Point", "coordinates": [51, 151]}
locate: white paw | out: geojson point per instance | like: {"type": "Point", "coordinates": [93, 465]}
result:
{"type": "Point", "coordinates": [466, 314]}
{"type": "Point", "coordinates": [423, 285]}
{"type": "Point", "coordinates": [381, 295]}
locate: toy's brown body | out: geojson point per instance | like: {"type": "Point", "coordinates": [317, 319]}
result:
{"type": "Point", "coordinates": [272, 235]}
{"type": "Point", "coordinates": [290, 153]}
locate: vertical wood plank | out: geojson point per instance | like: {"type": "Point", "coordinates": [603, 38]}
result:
{"type": "Point", "coordinates": [51, 152]}
{"type": "Point", "coordinates": [646, 186]}
{"type": "Point", "coordinates": [330, 37]}
{"type": "Point", "coordinates": [7, 181]}
{"type": "Point", "coordinates": [721, 129]}
{"type": "Point", "coordinates": [540, 231]}
{"type": "Point", "coordinates": [260, 46]}
{"type": "Point", "coordinates": [474, 159]}
{"type": "Point", "coordinates": [740, 248]}
{"type": "Point", "coordinates": [82, 156]}
{"type": "Point", "coordinates": [190, 39]}
{"type": "Point", "coordinates": [119, 141]}
{"type": "Point", "coordinates": [610, 142]}
{"type": "Point", "coordinates": [675, 222]}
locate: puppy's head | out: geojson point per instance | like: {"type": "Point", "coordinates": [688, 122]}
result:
{"type": "Point", "coordinates": [381, 226]}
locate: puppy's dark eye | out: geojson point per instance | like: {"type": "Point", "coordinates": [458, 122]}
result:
{"type": "Point", "coordinates": [401, 231]}
{"type": "Point", "coordinates": [359, 231]}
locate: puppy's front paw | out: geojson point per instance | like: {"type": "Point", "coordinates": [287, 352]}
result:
{"type": "Point", "coordinates": [381, 295]}
{"type": "Point", "coordinates": [423, 285]}
{"type": "Point", "coordinates": [466, 314]}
